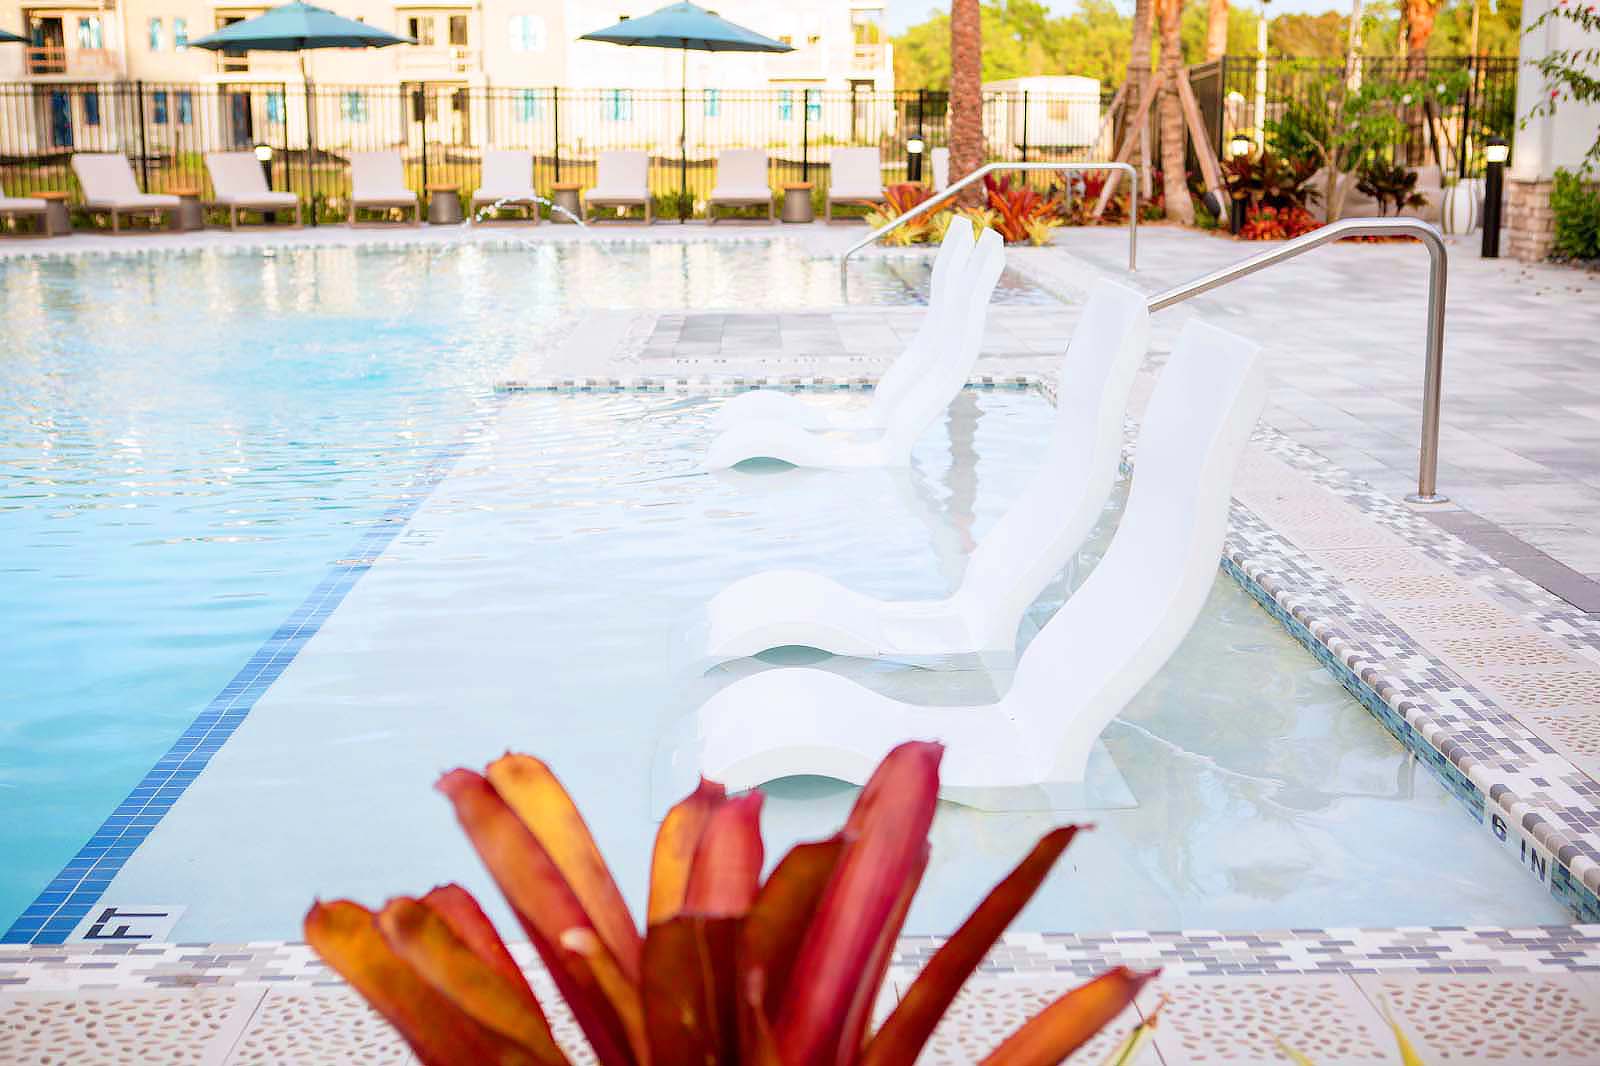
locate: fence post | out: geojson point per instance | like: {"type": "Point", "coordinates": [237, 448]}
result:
{"type": "Point", "coordinates": [1024, 125]}
{"type": "Point", "coordinates": [1466, 119]}
{"type": "Point", "coordinates": [422, 94]}
{"type": "Point", "coordinates": [144, 156]}
{"type": "Point", "coordinates": [555, 111]}
{"type": "Point", "coordinates": [805, 143]}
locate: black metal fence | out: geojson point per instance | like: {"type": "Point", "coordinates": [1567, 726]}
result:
{"type": "Point", "coordinates": [1461, 101]}
{"type": "Point", "coordinates": [441, 131]}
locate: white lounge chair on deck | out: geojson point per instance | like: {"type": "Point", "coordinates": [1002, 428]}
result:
{"type": "Point", "coordinates": [14, 207]}
{"type": "Point", "coordinates": [623, 181]}
{"type": "Point", "coordinates": [771, 405]}
{"type": "Point", "coordinates": [1087, 662]}
{"type": "Point", "coordinates": [240, 185]}
{"type": "Point", "coordinates": [741, 181]}
{"type": "Point", "coordinates": [507, 180]}
{"type": "Point", "coordinates": [109, 188]}
{"type": "Point", "coordinates": [1029, 545]}
{"type": "Point", "coordinates": [957, 335]}
{"type": "Point", "coordinates": [939, 163]}
{"type": "Point", "coordinates": [855, 175]}
{"type": "Point", "coordinates": [378, 183]}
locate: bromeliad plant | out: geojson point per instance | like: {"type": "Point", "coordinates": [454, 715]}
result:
{"type": "Point", "coordinates": [730, 969]}
{"type": "Point", "coordinates": [1021, 214]}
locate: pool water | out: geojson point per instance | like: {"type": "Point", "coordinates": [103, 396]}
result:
{"type": "Point", "coordinates": [187, 441]}
{"type": "Point", "coordinates": [538, 599]}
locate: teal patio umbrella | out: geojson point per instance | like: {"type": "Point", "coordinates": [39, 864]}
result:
{"type": "Point", "coordinates": [686, 27]}
{"type": "Point", "coordinates": [298, 27]}
{"type": "Point", "coordinates": [7, 37]}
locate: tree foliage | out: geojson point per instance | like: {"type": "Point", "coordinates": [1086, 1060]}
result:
{"type": "Point", "coordinates": [1571, 75]}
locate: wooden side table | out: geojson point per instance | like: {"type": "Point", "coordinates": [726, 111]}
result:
{"type": "Point", "coordinates": [797, 202]}
{"type": "Point", "coordinates": [565, 194]}
{"type": "Point", "coordinates": [444, 205]}
{"type": "Point", "coordinates": [189, 215]}
{"type": "Point", "coordinates": [57, 220]}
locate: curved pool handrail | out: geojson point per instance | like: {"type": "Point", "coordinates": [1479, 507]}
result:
{"type": "Point", "coordinates": [988, 168]}
{"type": "Point", "coordinates": [1433, 241]}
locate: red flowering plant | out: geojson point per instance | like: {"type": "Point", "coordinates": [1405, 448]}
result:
{"type": "Point", "coordinates": [730, 969]}
{"type": "Point", "coordinates": [1021, 213]}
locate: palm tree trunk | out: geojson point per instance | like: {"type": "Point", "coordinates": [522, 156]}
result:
{"type": "Point", "coordinates": [1138, 79]}
{"type": "Point", "coordinates": [966, 95]}
{"type": "Point", "coordinates": [1174, 137]}
{"type": "Point", "coordinates": [1216, 29]}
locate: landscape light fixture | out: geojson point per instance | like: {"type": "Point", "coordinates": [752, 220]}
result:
{"type": "Point", "coordinates": [1495, 152]}
{"type": "Point", "coordinates": [1240, 145]}
{"type": "Point", "coordinates": [264, 153]}
{"type": "Point", "coordinates": [914, 149]}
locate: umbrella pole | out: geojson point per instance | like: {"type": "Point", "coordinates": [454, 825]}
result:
{"type": "Point", "coordinates": [311, 140]}
{"type": "Point", "coordinates": [683, 131]}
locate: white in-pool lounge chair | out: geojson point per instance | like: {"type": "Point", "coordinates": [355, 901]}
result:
{"type": "Point", "coordinates": [240, 186]}
{"type": "Point", "coordinates": [855, 175]}
{"type": "Point", "coordinates": [508, 181]}
{"type": "Point", "coordinates": [741, 181]}
{"type": "Point", "coordinates": [109, 188]}
{"type": "Point", "coordinates": [1027, 547]}
{"type": "Point", "coordinates": [1087, 662]}
{"type": "Point", "coordinates": [623, 181]}
{"type": "Point", "coordinates": [15, 207]}
{"type": "Point", "coordinates": [939, 163]}
{"type": "Point", "coordinates": [378, 183]}
{"type": "Point", "coordinates": [957, 335]}
{"type": "Point", "coordinates": [771, 405]}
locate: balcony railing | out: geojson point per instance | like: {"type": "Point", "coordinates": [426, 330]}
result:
{"type": "Point", "coordinates": [869, 59]}
{"type": "Point", "coordinates": [447, 61]}
{"type": "Point", "coordinates": [56, 59]}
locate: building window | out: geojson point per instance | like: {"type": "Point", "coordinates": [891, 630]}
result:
{"type": "Point", "coordinates": [155, 35]}
{"type": "Point", "coordinates": [91, 34]}
{"type": "Point", "coordinates": [619, 105]}
{"type": "Point", "coordinates": [813, 39]}
{"type": "Point", "coordinates": [713, 103]}
{"type": "Point", "coordinates": [185, 108]}
{"type": "Point", "coordinates": [458, 31]}
{"type": "Point", "coordinates": [91, 108]}
{"type": "Point", "coordinates": [180, 34]}
{"type": "Point", "coordinates": [160, 101]}
{"type": "Point", "coordinates": [275, 107]}
{"type": "Point", "coordinates": [420, 29]}
{"type": "Point", "coordinates": [353, 107]}
{"type": "Point", "coordinates": [529, 106]}
{"type": "Point", "coordinates": [814, 105]}
{"type": "Point", "coordinates": [526, 33]}
{"type": "Point", "coordinates": [785, 105]}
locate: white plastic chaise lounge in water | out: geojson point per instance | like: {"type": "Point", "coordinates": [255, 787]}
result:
{"type": "Point", "coordinates": [507, 181]}
{"type": "Point", "coordinates": [109, 188]}
{"type": "Point", "coordinates": [742, 181]}
{"type": "Point", "coordinates": [239, 185]}
{"type": "Point", "coordinates": [855, 176]}
{"type": "Point", "coordinates": [623, 180]}
{"type": "Point", "coordinates": [771, 405]}
{"type": "Point", "coordinates": [1114, 633]}
{"type": "Point", "coordinates": [957, 334]}
{"type": "Point", "coordinates": [378, 183]}
{"type": "Point", "coordinates": [1027, 547]}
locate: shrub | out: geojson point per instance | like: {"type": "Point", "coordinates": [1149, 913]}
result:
{"type": "Point", "coordinates": [898, 199]}
{"type": "Point", "coordinates": [1391, 184]}
{"type": "Point", "coordinates": [1577, 211]}
{"type": "Point", "coordinates": [1270, 180]}
{"type": "Point", "coordinates": [1021, 214]}
{"type": "Point", "coordinates": [729, 970]}
{"type": "Point", "coordinates": [1276, 223]}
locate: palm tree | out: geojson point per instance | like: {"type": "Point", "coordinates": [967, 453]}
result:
{"type": "Point", "coordinates": [1138, 80]}
{"type": "Point", "coordinates": [1419, 15]}
{"type": "Point", "coordinates": [1174, 162]}
{"type": "Point", "coordinates": [1216, 29]}
{"type": "Point", "coordinates": [966, 95]}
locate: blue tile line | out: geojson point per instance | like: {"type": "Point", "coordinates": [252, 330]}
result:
{"type": "Point", "coordinates": [58, 909]}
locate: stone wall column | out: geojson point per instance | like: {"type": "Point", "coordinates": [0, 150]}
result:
{"type": "Point", "coordinates": [1528, 226]}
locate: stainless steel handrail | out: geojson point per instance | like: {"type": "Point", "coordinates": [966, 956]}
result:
{"type": "Point", "coordinates": [950, 190]}
{"type": "Point", "coordinates": [1433, 241]}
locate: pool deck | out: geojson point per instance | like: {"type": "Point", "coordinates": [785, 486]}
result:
{"type": "Point", "coordinates": [1472, 631]}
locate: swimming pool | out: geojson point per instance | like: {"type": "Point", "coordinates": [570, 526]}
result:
{"type": "Point", "coordinates": [187, 464]}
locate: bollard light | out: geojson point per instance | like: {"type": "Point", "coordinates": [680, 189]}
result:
{"type": "Point", "coordinates": [264, 157]}
{"type": "Point", "coordinates": [1495, 153]}
{"type": "Point", "coordinates": [264, 153]}
{"type": "Point", "coordinates": [914, 149]}
{"type": "Point", "coordinates": [915, 146]}
{"type": "Point", "coordinates": [1240, 145]}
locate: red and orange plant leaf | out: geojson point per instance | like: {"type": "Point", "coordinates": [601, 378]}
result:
{"type": "Point", "coordinates": [625, 995]}
{"type": "Point", "coordinates": [676, 842]}
{"type": "Point", "coordinates": [781, 914]}
{"type": "Point", "coordinates": [758, 1046]}
{"type": "Point", "coordinates": [473, 928]}
{"type": "Point", "coordinates": [483, 991]}
{"type": "Point", "coordinates": [885, 839]}
{"type": "Point", "coordinates": [534, 793]}
{"type": "Point", "coordinates": [546, 907]}
{"type": "Point", "coordinates": [1069, 1022]}
{"type": "Point", "coordinates": [346, 935]}
{"type": "Point", "coordinates": [690, 991]}
{"type": "Point", "coordinates": [869, 983]}
{"type": "Point", "coordinates": [727, 864]}
{"type": "Point", "coordinates": [911, 1024]}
